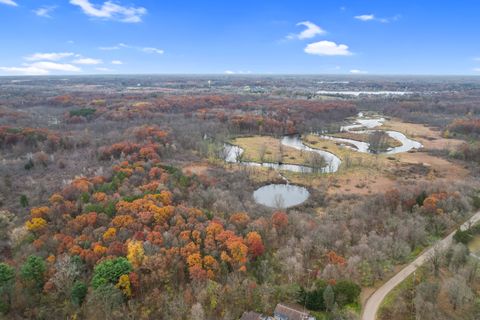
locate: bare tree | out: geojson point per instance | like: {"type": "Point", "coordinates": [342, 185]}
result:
{"type": "Point", "coordinates": [66, 273]}
{"type": "Point", "coordinates": [261, 152]}
{"type": "Point", "coordinates": [378, 141]}
{"type": "Point", "coordinates": [279, 201]}
{"type": "Point", "coordinates": [197, 312]}
{"type": "Point", "coordinates": [280, 153]}
{"type": "Point", "coordinates": [316, 162]}
{"type": "Point", "coordinates": [458, 291]}
{"type": "Point", "coordinates": [425, 301]}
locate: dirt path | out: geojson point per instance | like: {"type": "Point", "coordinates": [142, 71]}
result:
{"type": "Point", "coordinates": [373, 303]}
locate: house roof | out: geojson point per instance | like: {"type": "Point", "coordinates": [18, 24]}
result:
{"type": "Point", "coordinates": [291, 312]}
{"type": "Point", "coordinates": [250, 315]}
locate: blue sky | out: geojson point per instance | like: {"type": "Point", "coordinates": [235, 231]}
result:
{"type": "Point", "coordinates": [259, 37]}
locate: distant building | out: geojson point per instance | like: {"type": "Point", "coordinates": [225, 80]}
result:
{"type": "Point", "coordinates": [290, 312]}
{"type": "Point", "coordinates": [250, 315]}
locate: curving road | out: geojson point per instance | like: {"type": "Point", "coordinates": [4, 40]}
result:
{"type": "Point", "coordinates": [374, 301]}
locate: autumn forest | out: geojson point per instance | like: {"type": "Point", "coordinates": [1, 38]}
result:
{"type": "Point", "coordinates": [175, 197]}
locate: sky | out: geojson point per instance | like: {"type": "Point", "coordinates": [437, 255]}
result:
{"type": "Point", "coordinates": [79, 37]}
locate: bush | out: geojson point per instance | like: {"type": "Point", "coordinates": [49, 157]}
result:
{"type": "Point", "coordinates": [85, 197]}
{"type": "Point", "coordinates": [109, 209]}
{"type": "Point", "coordinates": [463, 236]}
{"type": "Point", "coordinates": [23, 201]}
{"type": "Point", "coordinates": [345, 293]}
{"type": "Point", "coordinates": [93, 207]}
{"type": "Point", "coordinates": [7, 278]}
{"type": "Point", "coordinates": [313, 300]}
{"type": "Point", "coordinates": [33, 271]}
{"type": "Point", "coordinates": [79, 291]}
{"type": "Point", "coordinates": [108, 271]}
{"type": "Point", "coordinates": [7, 274]}
{"type": "Point", "coordinates": [83, 112]}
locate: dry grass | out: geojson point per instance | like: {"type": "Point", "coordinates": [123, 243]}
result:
{"type": "Point", "coordinates": [364, 137]}
{"type": "Point", "coordinates": [197, 168]}
{"type": "Point", "coordinates": [351, 159]}
{"type": "Point", "coordinates": [253, 146]}
{"type": "Point", "coordinates": [474, 245]}
{"type": "Point", "coordinates": [431, 138]}
{"type": "Point", "coordinates": [360, 173]}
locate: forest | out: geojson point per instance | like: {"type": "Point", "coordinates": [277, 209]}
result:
{"type": "Point", "coordinates": [118, 201]}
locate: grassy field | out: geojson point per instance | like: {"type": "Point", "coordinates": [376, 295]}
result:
{"type": "Point", "coordinates": [364, 137]}
{"type": "Point", "coordinates": [351, 159]}
{"type": "Point", "coordinates": [431, 138]}
{"type": "Point", "coordinates": [255, 146]}
{"type": "Point", "coordinates": [359, 173]}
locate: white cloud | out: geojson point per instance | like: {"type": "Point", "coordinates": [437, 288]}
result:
{"type": "Point", "coordinates": [476, 69]}
{"type": "Point", "coordinates": [41, 68]}
{"type": "Point", "coordinates": [476, 59]}
{"type": "Point", "coordinates": [111, 11]}
{"type": "Point", "coordinates": [365, 17]}
{"type": "Point", "coordinates": [237, 72]}
{"type": "Point", "coordinates": [44, 11]}
{"type": "Point", "coordinates": [46, 63]}
{"type": "Point", "coordinates": [356, 71]}
{"type": "Point", "coordinates": [327, 48]}
{"type": "Point", "coordinates": [311, 31]}
{"type": "Point", "coordinates": [372, 17]}
{"type": "Point", "coordinates": [28, 70]}
{"type": "Point", "coordinates": [118, 62]}
{"type": "Point", "coordinates": [9, 3]}
{"type": "Point", "coordinates": [54, 66]}
{"type": "Point", "coordinates": [152, 50]}
{"type": "Point", "coordinates": [126, 46]}
{"type": "Point", "coordinates": [53, 56]}
{"type": "Point", "coordinates": [88, 61]}
{"type": "Point", "coordinates": [109, 48]}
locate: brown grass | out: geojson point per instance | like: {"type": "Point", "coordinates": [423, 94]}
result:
{"type": "Point", "coordinates": [364, 137]}
{"type": "Point", "coordinates": [253, 145]}
{"type": "Point", "coordinates": [431, 138]}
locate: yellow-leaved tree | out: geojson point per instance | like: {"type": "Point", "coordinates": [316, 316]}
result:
{"type": "Point", "coordinates": [135, 253]}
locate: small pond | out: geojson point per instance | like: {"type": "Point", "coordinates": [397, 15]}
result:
{"type": "Point", "coordinates": [281, 195]}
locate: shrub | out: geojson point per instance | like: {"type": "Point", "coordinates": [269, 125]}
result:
{"type": "Point", "coordinates": [83, 112]}
{"type": "Point", "coordinates": [33, 271]}
{"type": "Point", "coordinates": [23, 201]}
{"type": "Point", "coordinates": [346, 292]}
{"type": "Point", "coordinates": [79, 291]}
{"type": "Point", "coordinates": [109, 271]}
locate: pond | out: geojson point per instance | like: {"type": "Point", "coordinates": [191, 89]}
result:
{"type": "Point", "coordinates": [281, 196]}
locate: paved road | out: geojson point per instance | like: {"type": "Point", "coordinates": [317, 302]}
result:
{"type": "Point", "coordinates": [375, 300]}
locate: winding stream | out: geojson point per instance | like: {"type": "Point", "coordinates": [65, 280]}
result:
{"type": "Point", "coordinates": [369, 124]}
{"type": "Point", "coordinates": [234, 153]}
